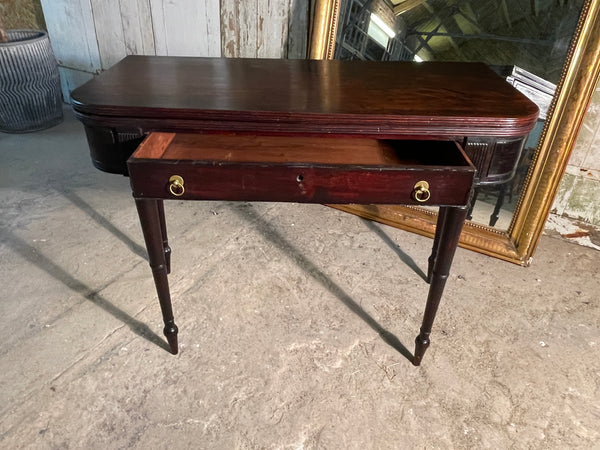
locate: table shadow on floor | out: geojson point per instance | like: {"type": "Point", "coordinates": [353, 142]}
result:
{"type": "Point", "coordinates": [36, 258]}
{"type": "Point", "coordinates": [85, 207]}
{"type": "Point", "coordinates": [270, 233]}
{"type": "Point", "coordinates": [406, 259]}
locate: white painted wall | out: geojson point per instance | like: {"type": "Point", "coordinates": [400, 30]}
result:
{"type": "Point", "coordinates": [71, 29]}
{"type": "Point", "coordinates": [186, 27]}
{"type": "Point", "coordinates": [579, 193]}
{"type": "Point", "coordinates": [264, 29]}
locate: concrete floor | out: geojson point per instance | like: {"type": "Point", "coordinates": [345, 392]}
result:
{"type": "Point", "coordinates": [292, 323]}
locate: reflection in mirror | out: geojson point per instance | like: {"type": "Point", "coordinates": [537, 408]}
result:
{"type": "Point", "coordinates": [524, 42]}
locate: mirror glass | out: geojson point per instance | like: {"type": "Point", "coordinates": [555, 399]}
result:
{"type": "Point", "coordinates": [525, 42]}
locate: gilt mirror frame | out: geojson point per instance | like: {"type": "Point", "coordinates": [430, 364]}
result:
{"type": "Point", "coordinates": [565, 117]}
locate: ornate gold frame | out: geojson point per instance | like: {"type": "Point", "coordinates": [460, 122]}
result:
{"type": "Point", "coordinates": [574, 92]}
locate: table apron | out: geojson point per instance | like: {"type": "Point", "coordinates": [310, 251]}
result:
{"type": "Point", "coordinates": [302, 184]}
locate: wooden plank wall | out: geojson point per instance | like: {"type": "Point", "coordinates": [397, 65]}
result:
{"type": "Point", "coordinates": [123, 27]}
{"type": "Point", "coordinates": [74, 45]}
{"type": "Point", "coordinates": [186, 27]}
{"type": "Point", "coordinates": [92, 35]}
{"type": "Point", "coordinates": [264, 28]}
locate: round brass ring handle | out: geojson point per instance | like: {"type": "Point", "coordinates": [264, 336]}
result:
{"type": "Point", "coordinates": [421, 191]}
{"type": "Point", "coordinates": [176, 186]}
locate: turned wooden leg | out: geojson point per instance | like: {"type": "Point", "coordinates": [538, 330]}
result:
{"type": "Point", "coordinates": [149, 212]}
{"type": "Point", "coordinates": [163, 232]}
{"type": "Point", "coordinates": [447, 236]}
{"type": "Point", "coordinates": [436, 242]}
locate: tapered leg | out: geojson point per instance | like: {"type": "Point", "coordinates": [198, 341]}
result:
{"type": "Point", "coordinates": [163, 232]}
{"type": "Point", "coordinates": [436, 241]}
{"type": "Point", "coordinates": [150, 220]}
{"type": "Point", "coordinates": [449, 233]}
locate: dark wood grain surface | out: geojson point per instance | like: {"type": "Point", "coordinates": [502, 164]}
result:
{"type": "Point", "coordinates": [309, 96]}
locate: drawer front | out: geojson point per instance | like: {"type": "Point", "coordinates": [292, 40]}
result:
{"type": "Point", "coordinates": [286, 183]}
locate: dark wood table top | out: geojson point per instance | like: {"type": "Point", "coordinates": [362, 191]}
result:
{"type": "Point", "coordinates": [308, 96]}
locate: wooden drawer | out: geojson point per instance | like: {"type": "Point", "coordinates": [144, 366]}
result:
{"type": "Point", "coordinates": [300, 169]}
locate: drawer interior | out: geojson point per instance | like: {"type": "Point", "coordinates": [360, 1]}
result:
{"type": "Point", "coordinates": [301, 150]}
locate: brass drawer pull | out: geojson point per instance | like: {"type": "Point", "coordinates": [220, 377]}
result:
{"type": "Point", "coordinates": [421, 191]}
{"type": "Point", "coordinates": [176, 186]}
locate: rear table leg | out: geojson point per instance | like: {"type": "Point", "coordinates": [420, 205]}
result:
{"type": "Point", "coordinates": [150, 219]}
{"type": "Point", "coordinates": [163, 232]}
{"type": "Point", "coordinates": [499, 202]}
{"type": "Point", "coordinates": [441, 220]}
{"type": "Point", "coordinates": [447, 237]}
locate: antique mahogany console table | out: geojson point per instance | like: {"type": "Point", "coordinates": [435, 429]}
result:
{"type": "Point", "coordinates": [304, 131]}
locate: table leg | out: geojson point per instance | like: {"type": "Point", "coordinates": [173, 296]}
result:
{"type": "Point", "coordinates": [473, 199]}
{"type": "Point", "coordinates": [163, 232]}
{"type": "Point", "coordinates": [150, 219]}
{"type": "Point", "coordinates": [447, 237]}
{"type": "Point", "coordinates": [441, 220]}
